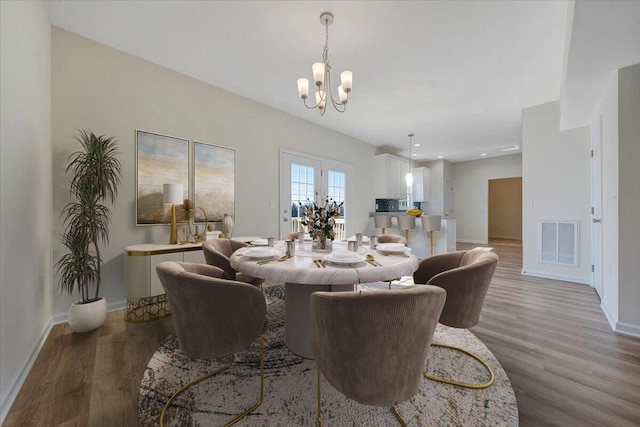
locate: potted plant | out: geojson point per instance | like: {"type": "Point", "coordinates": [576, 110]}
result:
{"type": "Point", "coordinates": [96, 176]}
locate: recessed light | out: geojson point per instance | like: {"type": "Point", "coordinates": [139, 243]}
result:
{"type": "Point", "coordinates": [483, 154]}
{"type": "Point", "coordinates": [440, 157]}
{"type": "Point", "coordinates": [416, 145]}
{"type": "Point", "coordinates": [413, 155]}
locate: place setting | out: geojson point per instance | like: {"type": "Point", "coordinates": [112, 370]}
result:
{"type": "Point", "coordinates": [393, 249]}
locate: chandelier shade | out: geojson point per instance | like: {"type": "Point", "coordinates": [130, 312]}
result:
{"type": "Point", "coordinates": [322, 79]}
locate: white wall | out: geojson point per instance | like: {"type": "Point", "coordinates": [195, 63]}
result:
{"type": "Point", "coordinates": [629, 201]}
{"type": "Point", "coordinates": [25, 190]}
{"type": "Point", "coordinates": [99, 88]}
{"type": "Point", "coordinates": [609, 112]}
{"type": "Point", "coordinates": [471, 193]}
{"type": "Point", "coordinates": [555, 186]}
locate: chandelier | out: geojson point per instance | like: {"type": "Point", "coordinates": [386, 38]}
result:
{"type": "Point", "coordinates": [322, 78]}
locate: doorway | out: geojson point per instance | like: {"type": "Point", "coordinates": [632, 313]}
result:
{"type": "Point", "coordinates": [304, 178]}
{"type": "Point", "coordinates": [505, 211]}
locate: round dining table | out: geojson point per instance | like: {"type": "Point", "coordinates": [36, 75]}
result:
{"type": "Point", "coordinates": [308, 271]}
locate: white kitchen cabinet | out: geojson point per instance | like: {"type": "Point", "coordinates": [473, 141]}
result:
{"type": "Point", "coordinates": [390, 173]}
{"type": "Point", "coordinates": [421, 184]}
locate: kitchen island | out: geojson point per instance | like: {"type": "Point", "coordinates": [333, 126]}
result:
{"type": "Point", "coordinates": [443, 240]}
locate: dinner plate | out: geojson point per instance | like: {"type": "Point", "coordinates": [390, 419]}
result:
{"type": "Point", "coordinates": [392, 247]}
{"type": "Point", "coordinates": [263, 252]}
{"type": "Point", "coordinates": [260, 242]}
{"type": "Point", "coordinates": [344, 260]}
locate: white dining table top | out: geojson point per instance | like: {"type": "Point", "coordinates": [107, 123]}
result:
{"type": "Point", "coordinates": [302, 270]}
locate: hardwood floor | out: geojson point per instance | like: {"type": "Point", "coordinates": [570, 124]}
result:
{"type": "Point", "coordinates": [566, 366]}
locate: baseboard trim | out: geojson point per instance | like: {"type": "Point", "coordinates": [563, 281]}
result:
{"type": "Point", "coordinates": [607, 314]}
{"type": "Point", "coordinates": [12, 391]}
{"type": "Point", "coordinates": [563, 277]}
{"type": "Point", "coordinates": [628, 329]}
{"type": "Point", "coordinates": [477, 242]}
{"type": "Point", "coordinates": [112, 306]}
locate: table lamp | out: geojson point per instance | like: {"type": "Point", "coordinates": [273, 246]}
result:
{"type": "Point", "coordinates": [431, 223]}
{"type": "Point", "coordinates": [172, 194]}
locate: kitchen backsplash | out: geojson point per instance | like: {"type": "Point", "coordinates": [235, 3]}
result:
{"type": "Point", "coordinates": [390, 205]}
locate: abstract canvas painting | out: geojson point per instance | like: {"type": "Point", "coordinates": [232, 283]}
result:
{"type": "Point", "coordinates": [213, 181]}
{"type": "Point", "coordinates": [161, 160]}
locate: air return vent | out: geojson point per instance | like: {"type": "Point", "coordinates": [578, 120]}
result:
{"type": "Point", "coordinates": [558, 242]}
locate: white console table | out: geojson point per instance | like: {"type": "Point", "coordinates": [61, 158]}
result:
{"type": "Point", "coordinates": [146, 299]}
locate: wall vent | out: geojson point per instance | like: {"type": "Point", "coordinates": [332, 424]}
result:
{"type": "Point", "coordinates": [558, 242]}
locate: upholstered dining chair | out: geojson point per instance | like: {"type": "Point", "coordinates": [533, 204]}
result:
{"type": "Point", "coordinates": [372, 346]}
{"type": "Point", "coordinates": [213, 318]}
{"type": "Point", "coordinates": [217, 253]}
{"type": "Point", "coordinates": [466, 276]}
{"type": "Point", "coordinates": [392, 238]}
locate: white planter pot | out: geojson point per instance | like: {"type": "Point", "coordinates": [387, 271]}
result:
{"type": "Point", "coordinates": [87, 317]}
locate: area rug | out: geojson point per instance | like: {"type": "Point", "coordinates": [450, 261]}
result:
{"type": "Point", "coordinates": [290, 387]}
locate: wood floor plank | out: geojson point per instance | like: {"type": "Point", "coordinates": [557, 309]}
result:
{"type": "Point", "coordinates": [566, 366]}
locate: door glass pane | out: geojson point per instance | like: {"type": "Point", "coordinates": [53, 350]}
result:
{"type": "Point", "coordinates": [302, 186]}
{"type": "Point", "coordinates": [335, 191]}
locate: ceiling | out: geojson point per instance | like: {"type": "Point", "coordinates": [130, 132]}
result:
{"type": "Point", "coordinates": [455, 73]}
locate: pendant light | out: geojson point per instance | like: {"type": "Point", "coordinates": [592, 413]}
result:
{"type": "Point", "coordinates": [409, 176]}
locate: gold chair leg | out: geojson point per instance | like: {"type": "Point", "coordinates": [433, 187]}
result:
{"type": "Point", "coordinates": [319, 409]}
{"type": "Point", "coordinates": [217, 371]}
{"type": "Point", "coordinates": [403, 423]}
{"type": "Point", "coordinates": [461, 384]}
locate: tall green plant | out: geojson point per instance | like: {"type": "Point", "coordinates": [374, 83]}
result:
{"type": "Point", "coordinates": [96, 177]}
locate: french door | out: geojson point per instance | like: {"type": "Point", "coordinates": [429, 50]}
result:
{"type": "Point", "coordinates": [306, 178]}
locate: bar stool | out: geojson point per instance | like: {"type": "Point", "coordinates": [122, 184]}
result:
{"type": "Point", "coordinates": [382, 221]}
{"type": "Point", "coordinates": [431, 223]}
{"type": "Point", "coordinates": [406, 223]}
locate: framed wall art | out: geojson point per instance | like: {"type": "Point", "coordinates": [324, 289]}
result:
{"type": "Point", "coordinates": [160, 159]}
{"type": "Point", "coordinates": [213, 181]}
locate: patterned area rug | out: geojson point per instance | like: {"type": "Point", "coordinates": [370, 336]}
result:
{"type": "Point", "coordinates": [290, 387]}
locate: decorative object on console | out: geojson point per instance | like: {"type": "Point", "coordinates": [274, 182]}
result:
{"type": "Point", "coordinates": [96, 177]}
{"type": "Point", "coordinates": [227, 226]}
{"type": "Point", "coordinates": [431, 223]}
{"type": "Point", "coordinates": [172, 194]}
{"type": "Point", "coordinates": [322, 78]}
{"type": "Point", "coordinates": [159, 159]}
{"type": "Point", "coordinates": [320, 221]}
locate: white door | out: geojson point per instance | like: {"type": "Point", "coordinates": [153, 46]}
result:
{"type": "Point", "coordinates": [300, 180]}
{"type": "Point", "coordinates": [596, 207]}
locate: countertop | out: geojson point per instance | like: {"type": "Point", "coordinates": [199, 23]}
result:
{"type": "Point", "coordinates": [396, 213]}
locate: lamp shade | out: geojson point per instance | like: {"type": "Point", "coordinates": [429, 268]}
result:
{"type": "Point", "coordinates": [172, 193]}
{"type": "Point", "coordinates": [318, 73]}
{"type": "Point", "coordinates": [303, 88]}
{"type": "Point", "coordinates": [346, 78]}
{"type": "Point", "coordinates": [431, 222]}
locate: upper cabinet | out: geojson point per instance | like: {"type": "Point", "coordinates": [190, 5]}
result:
{"type": "Point", "coordinates": [421, 184]}
{"type": "Point", "coordinates": [390, 173]}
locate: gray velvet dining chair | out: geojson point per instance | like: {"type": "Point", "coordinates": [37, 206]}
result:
{"type": "Point", "coordinates": [213, 318]}
{"type": "Point", "coordinates": [466, 276]}
{"type": "Point", "coordinates": [217, 252]}
{"type": "Point", "coordinates": [372, 346]}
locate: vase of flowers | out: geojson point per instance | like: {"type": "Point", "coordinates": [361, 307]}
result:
{"type": "Point", "coordinates": [320, 220]}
